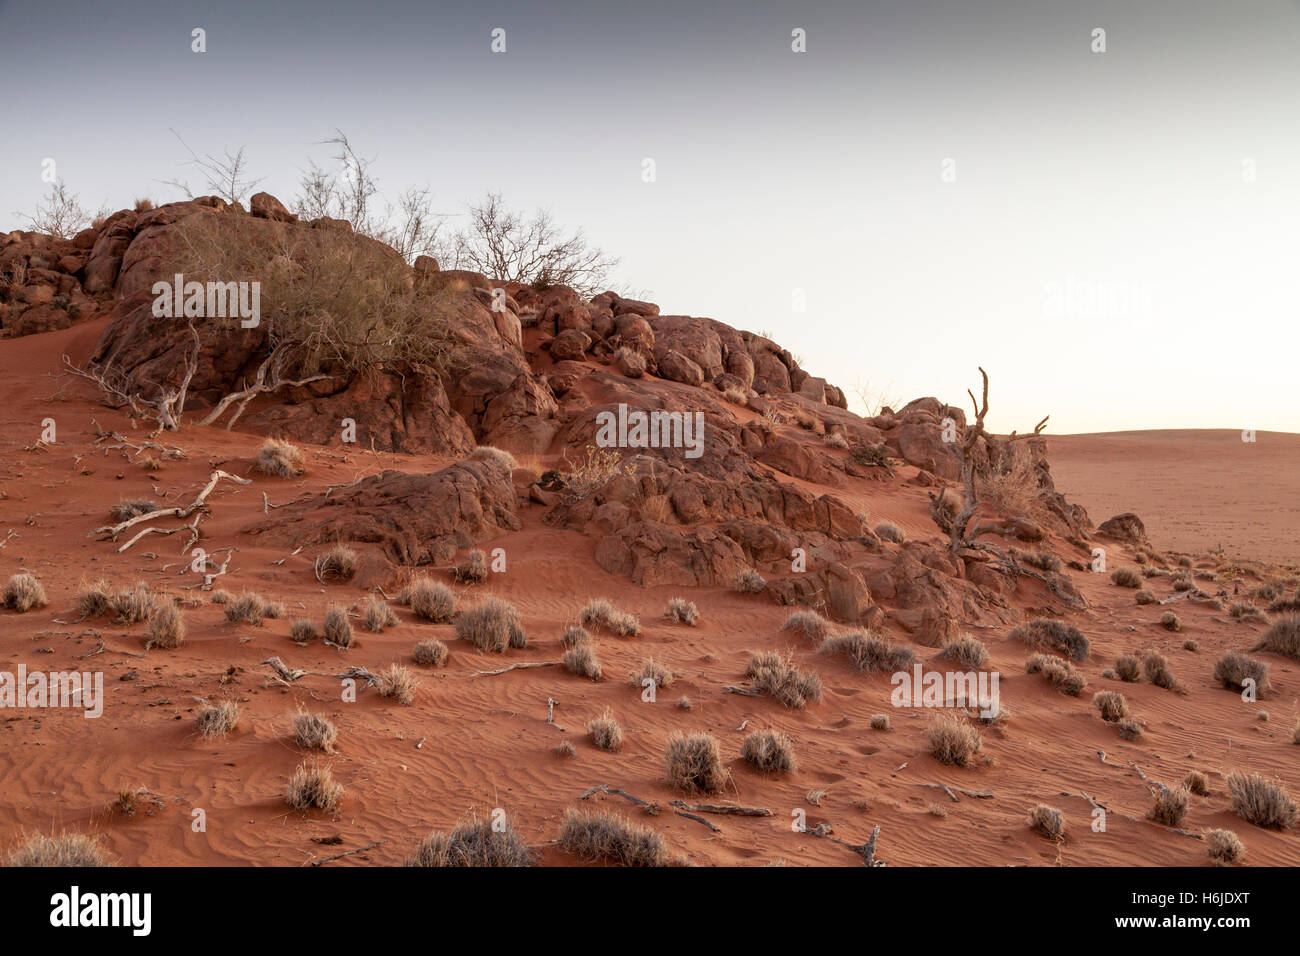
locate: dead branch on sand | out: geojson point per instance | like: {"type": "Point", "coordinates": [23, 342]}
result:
{"type": "Point", "coordinates": [112, 531]}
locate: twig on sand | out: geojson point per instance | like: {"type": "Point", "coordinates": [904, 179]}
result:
{"type": "Point", "coordinates": [729, 689]}
{"type": "Point", "coordinates": [979, 794]}
{"type": "Point", "coordinates": [112, 531]}
{"type": "Point", "coordinates": [724, 808]}
{"type": "Point", "coordinates": [650, 808]}
{"type": "Point", "coordinates": [523, 665]}
{"type": "Point", "coordinates": [339, 856]}
{"type": "Point", "coordinates": [865, 850]}
{"type": "Point", "coordinates": [707, 823]}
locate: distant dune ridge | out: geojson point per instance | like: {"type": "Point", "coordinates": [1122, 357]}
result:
{"type": "Point", "coordinates": [382, 431]}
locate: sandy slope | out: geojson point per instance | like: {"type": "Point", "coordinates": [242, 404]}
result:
{"type": "Point", "coordinates": [486, 742]}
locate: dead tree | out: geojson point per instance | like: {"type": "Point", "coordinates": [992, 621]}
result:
{"type": "Point", "coordinates": [271, 364]}
{"type": "Point", "coordinates": [115, 387]}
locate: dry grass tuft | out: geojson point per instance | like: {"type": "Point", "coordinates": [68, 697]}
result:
{"type": "Point", "coordinates": [1128, 669]}
{"type": "Point", "coordinates": [749, 581]}
{"type": "Point", "coordinates": [313, 786]}
{"type": "Point", "coordinates": [126, 510]}
{"type": "Point", "coordinates": [581, 659]}
{"type": "Point", "coordinates": [217, 720]}
{"type": "Point", "coordinates": [605, 732]}
{"type": "Point", "coordinates": [1283, 637]}
{"type": "Point", "coordinates": [473, 570]}
{"type": "Point", "coordinates": [1111, 704]}
{"type": "Point", "coordinates": [337, 629]}
{"type": "Point", "coordinates": [473, 844]}
{"type": "Point", "coordinates": [377, 615]}
{"type": "Point", "coordinates": [398, 682]}
{"type": "Point", "coordinates": [94, 599]}
{"type": "Point", "coordinates": [769, 751]}
{"type": "Point", "coordinates": [314, 732]}
{"type": "Point", "coordinates": [1048, 821]}
{"type": "Point", "coordinates": [966, 652]}
{"type": "Point", "coordinates": [681, 611]}
{"type": "Point", "coordinates": [498, 456]}
{"type": "Point", "coordinates": [1234, 669]}
{"type": "Point", "coordinates": [777, 677]}
{"type": "Point", "coordinates": [492, 625]}
{"type": "Point", "coordinates": [694, 763]}
{"type": "Point", "coordinates": [62, 849]}
{"type": "Point", "coordinates": [880, 722]}
{"type": "Point", "coordinates": [1197, 783]}
{"type": "Point", "coordinates": [279, 458]}
{"type": "Point", "coordinates": [303, 631]}
{"type": "Point", "coordinates": [888, 531]}
{"type": "Point", "coordinates": [1264, 803]}
{"type": "Point", "coordinates": [1144, 597]}
{"type": "Point", "coordinates": [429, 600]}
{"type": "Point", "coordinates": [1223, 847]}
{"type": "Point", "coordinates": [1046, 632]}
{"type": "Point", "coordinates": [167, 627]}
{"type": "Point", "coordinates": [1169, 807]}
{"type": "Point", "coordinates": [248, 608]}
{"type": "Point", "coordinates": [600, 613]}
{"type": "Point", "coordinates": [870, 651]}
{"type": "Point", "coordinates": [952, 742]}
{"type": "Point", "coordinates": [1126, 578]}
{"type": "Point", "coordinates": [1156, 668]}
{"type": "Point", "coordinates": [22, 593]}
{"type": "Point", "coordinates": [339, 563]}
{"type": "Point", "coordinates": [651, 670]}
{"type": "Point", "coordinates": [430, 653]}
{"type": "Point", "coordinates": [1128, 729]}
{"type": "Point", "coordinates": [810, 624]}
{"type": "Point", "coordinates": [1169, 621]}
{"type": "Point", "coordinates": [605, 836]}
{"type": "Point", "coordinates": [1060, 674]}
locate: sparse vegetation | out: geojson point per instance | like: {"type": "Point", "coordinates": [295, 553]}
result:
{"type": "Point", "coordinates": [606, 836]}
{"type": "Point", "coordinates": [879, 721]}
{"type": "Point", "coordinates": [279, 458]}
{"type": "Point", "coordinates": [313, 786]}
{"type": "Point", "coordinates": [1126, 578]}
{"type": "Point", "coordinates": [870, 651]}
{"type": "Point", "coordinates": [810, 624]}
{"type": "Point", "coordinates": [1144, 597]}
{"type": "Point", "coordinates": [377, 615]}
{"type": "Point", "coordinates": [1156, 668]}
{"type": "Point", "coordinates": [581, 659]}
{"type": "Point", "coordinates": [1234, 669]}
{"type": "Point", "coordinates": [302, 630]}
{"type": "Point", "coordinates": [1128, 728]}
{"type": "Point", "coordinates": [1197, 783]}
{"type": "Point", "coordinates": [777, 677]}
{"type": "Point", "coordinates": [314, 732]}
{"type": "Point", "coordinates": [1046, 632]}
{"type": "Point", "coordinates": [1223, 847]}
{"type": "Point", "coordinates": [681, 611]}
{"type": "Point", "coordinates": [497, 456]}
{"type": "Point", "coordinates": [166, 627]}
{"type": "Point", "coordinates": [769, 751]}
{"type": "Point", "coordinates": [1060, 674]}
{"type": "Point", "coordinates": [694, 763]}
{"type": "Point", "coordinates": [248, 608]}
{"type": "Point", "coordinates": [397, 682]}
{"type": "Point", "coordinates": [430, 600]}
{"type": "Point", "coordinates": [337, 628]}
{"type": "Point", "coordinates": [888, 531]}
{"type": "Point", "coordinates": [339, 563]}
{"type": "Point", "coordinates": [749, 581]}
{"type": "Point", "coordinates": [492, 625]}
{"type": "Point", "coordinates": [1262, 802]}
{"type": "Point", "coordinates": [653, 671]}
{"type": "Point", "coordinates": [952, 742]}
{"type": "Point", "coordinates": [430, 653]}
{"type": "Point", "coordinates": [1047, 821]}
{"type": "Point", "coordinates": [62, 849]}
{"type": "Point", "coordinates": [605, 732]}
{"type": "Point", "coordinates": [1111, 705]}
{"type": "Point", "coordinates": [472, 844]}
{"type": "Point", "coordinates": [23, 592]}
{"type": "Point", "coordinates": [1169, 807]}
{"type": "Point", "coordinates": [1283, 637]}
{"type": "Point", "coordinates": [94, 599]}
{"type": "Point", "coordinates": [1169, 621]}
{"type": "Point", "coordinates": [473, 570]}
{"type": "Point", "coordinates": [1128, 669]}
{"type": "Point", "coordinates": [965, 652]}
{"type": "Point", "coordinates": [600, 613]}
{"type": "Point", "coordinates": [217, 720]}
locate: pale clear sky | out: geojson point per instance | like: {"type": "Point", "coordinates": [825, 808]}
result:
{"type": "Point", "coordinates": [1099, 251]}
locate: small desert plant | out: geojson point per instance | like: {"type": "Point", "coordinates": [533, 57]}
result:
{"type": "Point", "coordinates": [430, 653]}
{"type": "Point", "coordinates": [835, 440]}
{"type": "Point", "coordinates": [1169, 807]}
{"type": "Point", "coordinates": [1222, 846]}
{"type": "Point", "coordinates": [126, 510]}
{"type": "Point", "coordinates": [492, 625]}
{"type": "Point", "coordinates": [952, 742]}
{"type": "Point", "coordinates": [497, 456]}
{"type": "Point", "coordinates": [23, 592]}
{"type": "Point", "coordinates": [1126, 578]}
{"type": "Point", "coordinates": [777, 677]}
{"type": "Point", "coordinates": [1190, 644]}
{"type": "Point", "coordinates": [1128, 669]}
{"type": "Point", "coordinates": [870, 651]}
{"type": "Point", "coordinates": [1242, 609]}
{"type": "Point", "coordinates": [808, 623]}
{"type": "Point", "coordinates": [966, 652]}
{"type": "Point", "coordinates": [339, 563]}
{"type": "Point", "coordinates": [1282, 638]}
{"type": "Point", "coordinates": [873, 456]}
{"type": "Point", "coordinates": [581, 660]}
{"type": "Point", "coordinates": [314, 732]}
{"type": "Point", "coordinates": [273, 610]}
{"type": "Point", "coordinates": [600, 613]}
{"type": "Point", "coordinates": [430, 600]}
{"type": "Point", "coordinates": [63, 849]}
{"type": "Point", "coordinates": [248, 608]}
{"type": "Point", "coordinates": [216, 720]}
{"type": "Point", "coordinates": [1060, 674]}
{"type": "Point", "coordinates": [1045, 632]}
{"type": "Point", "coordinates": [94, 599]}
{"type": "Point", "coordinates": [313, 786]}
{"type": "Point", "coordinates": [1234, 669]}
{"type": "Point", "coordinates": [605, 732]}
{"type": "Point", "coordinates": [736, 396]}
{"type": "Point", "coordinates": [565, 749]}
{"type": "Point", "coordinates": [653, 671]}
{"type": "Point", "coordinates": [684, 703]}
{"type": "Point", "coordinates": [398, 682]}
{"type": "Point", "coordinates": [1112, 705]}
{"type": "Point", "coordinates": [575, 635]}
{"type": "Point", "coordinates": [657, 508]}
{"type": "Point", "coordinates": [749, 581]}
{"type": "Point", "coordinates": [1042, 560]}
{"type": "Point", "coordinates": [377, 615]}
{"type": "Point", "coordinates": [221, 596]}
{"type": "Point", "coordinates": [601, 466]}
{"type": "Point", "coordinates": [605, 836]}
{"type": "Point", "coordinates": [681, 611]}
{"type": "Point", "coordinates": [888, 531]}
{"type": "Point", "coordinates": [302, 631]}
{"type": "Point", "coordinates": [279, 458]}
{"type": "Point", "coordinates": [166, 627]}
{"type": "Point", "coordinates": [1144, 597]}
{"type": "Point", "coordinates": [694, 763]}
{"type": "Point", "coordinates": [1262, 802]}
{"type": "Point", "coordinates": [337, 629]}
{"type": "Point", "coordinates": [880, 722]}
{"type": "Point", "coordinates": [1156, 668]}
{"type": "Point", "coordinates": [1048, 821]}
{"type": "Point", "coordinates": [474, 569]}
{"type": "Point", "coordinates": [769, 751]}
{"type": "Point", "coordinates": [1197, 783]}
{"type": "Point", "coordinates": [472, 844]}
{"type": "Point", "coordinates": [133, 605]}
{"type": "Point", "coordinates": [1128, 728]}
{"type": "Point", "coordinates": [1182, 581]}
{"type": "Point", "coordinates": [1169, 621]}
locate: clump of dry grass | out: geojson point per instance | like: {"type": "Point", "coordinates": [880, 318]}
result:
{"type": "Point", "coordinates": [777, 677]}
{"type": "Point", "coordinates": [952, 742]}
{"type": "Point", "coordinates": [473, 844]}
{"type": "Point", "coordinates": [1243, 609]}
{"type": "Point", "coordinates": [1190, 645]}
{"type": "Point", "coordinates": [1144, 597]}
{"type": "Point", "coordinates": [279, 458]}
{"type": "Point", "coordinates": [888, 531]}
{"type": "Point", "coordinates": [1048, 821]}
{"type": "Point", "coordinates": [1197, 783]}
{"type": "Point", "coordinates": [605, 732]}
{"type": "Point", "coordinates": [314, 732]}
{"type": "Point", "coordinates": [1283, 637]}
{"type": "Point", "coordinates": [377, 615]}
{"type": "Point", "coordinates": [302, 631]}
{"type": "Point", "coordinates": [498, 456]}
{"type": "Point", "coordinates": [22, 593]}
{"type": "Point", "coordinates": [1169, 807]}
{"type": "Point", "coordinates": [684, 703]}
{"type": "Point", "coordinates": [605, 836]}
{"type": "Point", "coordinates": [429, 600]}
{"type": "Point", "coordinates": [1169, 621]}
{"type": "Point", "coordinates": [166, 627]}
{"type": "Point", "coordinates": [94, 599]}
{"type": "Point", "coordinates": [1223, 847]}
{"type": "Point", "coordinates": [1129, 729]}
{"type": "Point", "coordinates": [61, 849]}
{"type": "Point", "coordinates": [1128, 669]}
{"type": "Point", "coordinates": [1126, 578]}
{"type": "Point", "coordinates": [736, 396]}
{"type": "Point", "coordinates": [600, 613]}
{"type": "Point", "coordinates": [126, 510]}
{"type": "Point", "coordinates": [810, 624]}
{"type": "Point", "coordinates": [565, 749]}
{"type": "Point", "coordinates": [492, 625]}
{"type": "Point", "coordinates": [1060, 674]}
{"type": "Point", "coordinates": [217, 720]}
{"type": "Point", "coordinates": [581, 659]}
{"type": "Point", "coordinates": [749, 581]}
{"type": "Point", "coordinates": [870, 651]}
{"type": "Point", "coordinates": [966, 652]}
{"type": "Point", "coordinates": [398, 682]}
{"type": "Point", "coordinates": [337, 628]}
{"type": "Point", "coordinates": [575, 636]}
{"type": "Point", "coordinates": [473, 570]}
{"type": "Point", "coordinates": [1156, 668]}
{"type": "Point", "coordinates": [1042, 560]}
{"type": "Point", "coordinates": [1045, 632]}
{"type": "Point", "coordinates": [134, 604]}
{"type": "Point", "coordinates": [879, 721]}
{"type": "Point", "coordinates": [339, 563]}
{"type": "Point", "coordinates": [1111, 704]}
{"type": "Point", "coordinates": [1262, 802]}
{"type": "Point", "coordinates": [769, 751]}
{"type": "Point", "coordinates": [221, 596]}
{"type": "Point", "coordinates": [430, 653]}
{"type": "Point", "coordinates": [694, 763]}
{"type": "Point", "coordinates": [1182, 581]}
{"type": "Point", "coordinates": [1234, 669]}
{"type": "Point", "coordinates": [681, 611]}
{"type": "Point", "coordinates": [313, 786]}
{"type": "Point", "coordinates": [248, 608]}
